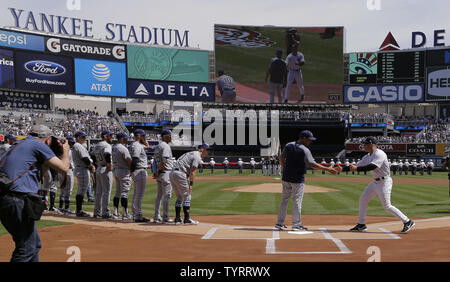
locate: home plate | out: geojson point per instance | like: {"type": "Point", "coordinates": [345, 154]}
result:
{"type": "Point", "coordinates": [300, 232]}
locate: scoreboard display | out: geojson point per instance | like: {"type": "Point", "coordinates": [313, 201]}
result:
{"type": "Point", "coordinates": [387, 67]}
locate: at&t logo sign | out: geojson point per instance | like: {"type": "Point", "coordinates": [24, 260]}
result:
{"type": "Point", "coordinates": [101, 73]}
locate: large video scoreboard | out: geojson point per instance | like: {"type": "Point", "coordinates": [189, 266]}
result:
{"type": "Point", "coordinates": [398, 76]}
{"type": "Point", "coordinates": [387, 67]}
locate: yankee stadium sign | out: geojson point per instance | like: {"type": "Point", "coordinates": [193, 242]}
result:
{"type": "Point", "coordinates": [70, 26]}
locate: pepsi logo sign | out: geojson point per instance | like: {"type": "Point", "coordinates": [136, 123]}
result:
{"type": "Point", "coordinates": [45, 68]}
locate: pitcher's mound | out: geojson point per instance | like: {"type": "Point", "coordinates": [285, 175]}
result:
{"type": "Point", "coordinates": [277, 188]}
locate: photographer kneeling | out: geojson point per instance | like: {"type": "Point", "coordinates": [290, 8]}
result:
{"type": "Point", "coordinates": [20, 206]}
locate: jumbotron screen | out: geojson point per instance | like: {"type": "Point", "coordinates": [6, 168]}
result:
{"type": "Point", "coordinates": [248, 54]}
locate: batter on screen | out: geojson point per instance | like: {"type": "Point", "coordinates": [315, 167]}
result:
{"type": "Point", "coordinates": [377, 163]}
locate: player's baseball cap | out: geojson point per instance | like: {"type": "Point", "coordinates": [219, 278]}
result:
{"type": "Point", "coordinates": [80, 133]}
{"type": "Point", "coordinates": [166, 132]}
{"type": "Point", "coordinates": [203, 146]}
{"type": "Point", "coordinates": [279, 51]}
{"type": "Point", "coordinates": [10, 136]}
{"type": "Point", "coordinates": [70, 139]}
{"type": "Point", "coordinates": [370, 140]}
{"type": "Point", "coordinates": [139, 132]}
{"type": "Point", "coordinates": [121, 135]}
{"type": "Point", "coordinates": [40, 130]}
{"type": "Point", "coordinates": [106, 132]}
{"type": "Point", "coordinates": [220, 72]}
{"type": "Point", "coordinates": [307, 134]}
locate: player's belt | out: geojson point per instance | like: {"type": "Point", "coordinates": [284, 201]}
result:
{"type": "Point", "coordinates": [228, 89]}
{"type": "Point", "coordinates": [295, 70]}
{"type": "Point", "coordinates": [381, 178]}
{"type": "Point", "coordinates": [140, 168]}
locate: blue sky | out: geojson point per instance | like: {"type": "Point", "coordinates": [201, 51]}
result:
{"type": "Point", "coordinates": [365, 28]}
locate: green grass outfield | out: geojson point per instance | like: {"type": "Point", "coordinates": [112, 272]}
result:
{"type": "Point", "coordinates": [208, 197]}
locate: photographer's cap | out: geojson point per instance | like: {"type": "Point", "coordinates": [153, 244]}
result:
{"type": "Point", "coordinates": [80, 133]}
{"type": "Point", "coordinates": [307, 134]}
{"type": "Point", "coordinates": [40, 131]}
{"type": "Point", "coordinates": [70, 139]}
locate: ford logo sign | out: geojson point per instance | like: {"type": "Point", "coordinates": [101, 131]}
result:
{"type": "Point", "coordinates": [45, 68]}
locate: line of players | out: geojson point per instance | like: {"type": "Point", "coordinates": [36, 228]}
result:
{"type": "Point", "coordinates": [125, 163]}
{"type": "Point", "coordinates": [272, 166]}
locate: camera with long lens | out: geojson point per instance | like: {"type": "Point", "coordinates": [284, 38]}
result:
{"type": "Point", "coordinates": [57, 146]}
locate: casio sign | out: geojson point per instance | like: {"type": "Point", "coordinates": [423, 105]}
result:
{"type": "Point", "coordinates": [383, 93]}
{"type": "Point", "coordinates": [45, 68]}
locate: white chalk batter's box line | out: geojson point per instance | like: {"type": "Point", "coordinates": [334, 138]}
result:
{"type": "Point", "coordinates": [270, 242]}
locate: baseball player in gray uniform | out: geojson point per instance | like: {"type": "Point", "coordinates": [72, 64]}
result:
{"type": "Point", "coordinates": [182, 178]}
{"type": "Point", "coordinates": [163, 158]}
{"type": "Point", "coordinates": [104, 177]}
{"type": "Point", "coordinates": [121, 163]}
{"type": "Point", "coordinates": [139, 174]}
{"type": "Point", "coordinates": [377, 163]}
{"type": "Point", "coordinates": [294, 61]}
{"type": "Point", "coordinates": [225, 165]}
{"type": "Point", "coordinates": [50, 187]}
{"type": "Point", "coordinates": [83, 165]}
{"type": "Point", "coordinates": [67, 183]}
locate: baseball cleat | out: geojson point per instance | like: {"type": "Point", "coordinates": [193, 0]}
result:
{"type": "Point", "coordinates": [97, 216]}
{"type": "Point", "coordinates": [167, 220]}
{"type": "Point", "coordinates": [157, 220]}
{"type": "Point", "coordinates": [359, 228]}
{"type": "Point", "coordinates": [408, 226]}
{"type": "Point", "coordinates": [68, 211]}
{"type": "Point", "coordinates": [281, 226]}
{"type": "Point", "coordinates": [142, 219]}
{"type": "Point", "coordinates": [82, 214]}
{"type": "Point", "coordinates": [177, 221]}
{"type": "Point", "coordinates": [299, 228]}
{"type": "Point", "coordinates": [109, 216]}
{"type": "Point", "coordinates": [190, 221]}
{"type": "Point", "coordinates": [126, 217]}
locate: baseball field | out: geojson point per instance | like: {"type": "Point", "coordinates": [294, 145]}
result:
{"type": "Point", "coordinates": [237, 214]}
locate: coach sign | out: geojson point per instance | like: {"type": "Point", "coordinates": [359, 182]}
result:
{"type": "Point", "coordinates": [420, 149]}
{"type": "Point", "coordinates": [384, 147]}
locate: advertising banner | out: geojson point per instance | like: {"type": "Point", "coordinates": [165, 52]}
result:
{"type": "Point", "coordinates": [165, 90]}
{"type": "Point", "coordinates": [404, 93]}
{"type": "Point", "coordinates": [24, 100]}
{"type": "Point", "coordinates": [384, 147]}
{"type": "Point", "coordinates": [80, 48]}
{"type": "Point", "coordinates": [154, 63]}
{"type": "Point", "coordinates": [21, 40]}
{"type": "Point", "coordinates": [6, 69]}
{"type": "Point", "coordinates": [420, 149]}
{"type": "Point", "coordinates": [442, 149]}
{"type": "Point", "coordinates": [104, 78]}
{"type": "Point", "coordinates": [438, 84]}
{"type": "Point", "coordinates": [40, 72]}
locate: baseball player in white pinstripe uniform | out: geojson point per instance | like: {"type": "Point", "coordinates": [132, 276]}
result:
{"type": "Point", "coordinates": [104, 177]}
{"type": "Point", "coordinates": [377, 163]}
{"type": "Point", "coordinates": [163, 158]}
{"type": "Point", "coordinates": [294, 61]}
{"type": "Point", "coordinates": [83, 165]}
{"type": "Point", "coordinates": [139, 173]}
{"type": "Point", "coordinates": [121, 162]}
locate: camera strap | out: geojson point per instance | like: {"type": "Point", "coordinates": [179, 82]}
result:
{"type": "Point", "coordinates": [6, 156]}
